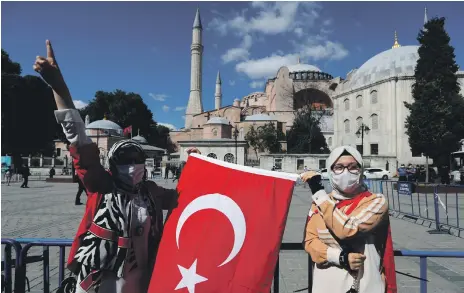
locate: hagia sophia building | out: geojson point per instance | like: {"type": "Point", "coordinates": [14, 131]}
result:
{"type": "Point", "coordinates": [371, 95]}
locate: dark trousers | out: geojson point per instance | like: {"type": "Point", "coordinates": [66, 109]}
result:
{"type": "Point", "coordinates": [79, 191]}
{"type": "Point", "coordinates": [402, 178]}
{"type": "Point", "coordinates": [26, 180]}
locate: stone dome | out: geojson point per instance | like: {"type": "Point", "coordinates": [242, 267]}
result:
{"type": "Point", "coordinates": [140, 139]}
{"type": "Point", "coordinates": [104, 124]}
{"type": "Point", "coordinates": [393, 62]}
{"type": "Point", "coordinates": [218, 120]}
{"type": "Point", "coordinates": [259, 117]}
{"type": "Point", "coordinates": [302, 67]}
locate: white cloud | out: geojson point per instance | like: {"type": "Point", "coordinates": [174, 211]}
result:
{"type": "Point", "coordinates": [328, 50]}
{"type": "Point", "coordinates": [168, 125]}
{"type": "Point", "coordinates": [270, 18]}
{"type": "Point", "coordinates": [79, 104]}
{"type": "Point", "coordinates": [298, 32]}
{"type": "Point", "coordinates": [158, 97]}
{"type": "Point", "coordinates": [165, 108]}
{"type": "Point", "coordinates": [235, 54]}
{"type": "Point", "coordinates": [231, 82]}
{"type": "Point", "coordinates": [179, 108]}
{"type": "Point", "coordinates": [239, 53]}
{"type": "Point", "coordinates": [265, 67]}
{"type": "Point", "coordinates": [256, 84]}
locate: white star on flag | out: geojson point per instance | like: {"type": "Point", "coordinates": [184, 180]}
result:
{"type": "Point", "coordinates": [189, 277]}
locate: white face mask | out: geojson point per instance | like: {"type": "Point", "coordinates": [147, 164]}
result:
{"type": "Point", "coordinates": [346, 182]}
{"type": "Point", "coordinates": [131, 174]}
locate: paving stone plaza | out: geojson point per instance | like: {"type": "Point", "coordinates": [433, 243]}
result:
{"type": "Point", "coordinates": [47, 210]}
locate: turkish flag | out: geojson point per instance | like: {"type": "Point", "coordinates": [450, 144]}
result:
{"type": "Point", "coordinates": [225, 234]}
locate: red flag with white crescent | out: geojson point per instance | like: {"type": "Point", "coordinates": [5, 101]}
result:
{"type": "Point", "coordinates": [225, 234]}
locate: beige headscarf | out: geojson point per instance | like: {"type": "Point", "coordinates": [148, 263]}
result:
{"type": "Point", "coordinates": [333, 157]}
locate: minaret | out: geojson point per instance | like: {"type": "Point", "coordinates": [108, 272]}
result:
{"type": "Point", "coordinates": [195, 104]}
{"type": "Point", "coordinates": [218, 93]}
{"type": "Point", "coordinates": [396, 44]}
{"type": "Point", "coordinates": [425, 16]}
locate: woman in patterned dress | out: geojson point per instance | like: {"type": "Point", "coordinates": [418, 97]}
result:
{"type": "Point", "coordinates": [116, 243]}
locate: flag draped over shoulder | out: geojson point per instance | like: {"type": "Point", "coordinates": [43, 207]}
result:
{"type": "Point", "coordinates": [225, 234]}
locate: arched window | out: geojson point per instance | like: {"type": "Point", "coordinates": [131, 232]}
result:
{"type": "Point", "coordinates": [359, 101]}
{"type": "Point", "coordinates": [374, 97]}
{"type": "Point", "coordinates": [215, 132]}
{"type": "Point", "coordinates": [212, 155]}
{"type": "Point", "coordinates": [329, 141]}
{"type": "Point", "coordinates": [374, 121]}
{"type": "Point", "coordinates": [347, 126]}
{"type": "Point", "coordinates": [241, 135]}
{"type": "Point", "coordinates": [347, 104]}
{"type": "Point", "coordinates": [359, 122]}
{"type": "Point", "coordinates": [229, 158]}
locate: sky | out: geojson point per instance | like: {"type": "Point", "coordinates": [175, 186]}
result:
{"type": "Point", "coordinates": [144, 47]}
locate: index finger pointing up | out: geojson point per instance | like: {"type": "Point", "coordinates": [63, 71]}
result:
{"type": "Point", "coordinates": [50, 53]}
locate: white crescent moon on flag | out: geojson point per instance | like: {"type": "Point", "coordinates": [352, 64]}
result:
{"type": "Point", "coordinates": [225, 205]}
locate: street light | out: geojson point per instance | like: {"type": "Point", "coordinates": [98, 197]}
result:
{"type": "Point", "coordinates": [235, 137]}
{"type": "Point", "coordinates": [363, 128]}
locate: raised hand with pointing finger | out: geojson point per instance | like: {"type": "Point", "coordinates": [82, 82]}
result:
{"type": "Point", "coordinates": [48, 68]}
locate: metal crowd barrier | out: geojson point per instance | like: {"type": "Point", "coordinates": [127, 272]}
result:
{"type": "Point", "coordinates": [22, 260]}
{"type": "Point", "coordinates": [436, 203]}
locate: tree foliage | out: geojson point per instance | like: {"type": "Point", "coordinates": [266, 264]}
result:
{"type": "Point", "coordinates": [28, 121]}
{"type": "Point", "coordinates": [435, 124]}
{"type": "Point", "coordinates": [267, 138]}
{"type": "Point", "coordinates": [8, 66]}
{"type": "Point", "coordinates": [305, 135]}
{"type": "Point", "coordinates": [128, 109]}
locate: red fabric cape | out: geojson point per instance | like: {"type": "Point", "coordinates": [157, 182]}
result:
{"type": "Point", "coordinates": [388, 255]}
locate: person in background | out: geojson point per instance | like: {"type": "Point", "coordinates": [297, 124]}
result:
{"type": "Point", "coordinates": [348, 231]}
{"type": "Point", "coordinates": [145, 174]}
{"type": "Point", "coordinates": [402, 173]}
{"type": "Point", "coordinates": [410, 173]}
{"type": "Point", "coordinates": [80, 189]}
{"type": "Point", "coordinates": [305, 169]}
{"type": "Point", "coordinates": [52, 172]}
{"type": "Point", "coordinates": [8, 175]}
{"type": "Point", "coordinates": [26, 172]}
{"type": "Point", "coordinates": [417, 174]}
{"type": "Point", "coordinates": [166, 172]}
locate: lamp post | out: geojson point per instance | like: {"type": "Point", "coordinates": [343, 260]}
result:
{"type": "Point", "coordinates": [235, 137]}
{"type": "Point", "coordinates": [363, 128]}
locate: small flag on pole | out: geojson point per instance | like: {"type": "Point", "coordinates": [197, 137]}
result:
{"type": "Point", "coordinates": [128, 130]}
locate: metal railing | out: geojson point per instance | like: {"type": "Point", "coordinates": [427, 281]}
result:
{"type": "Point", "coordinates": [22, 260]}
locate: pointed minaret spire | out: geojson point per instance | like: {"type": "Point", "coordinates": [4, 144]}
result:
{"type": "Point", "coordinates": [195, 103]}
{"type": "Point", "coordinates": [425, 16]}
{"type": "Point", "coordinates": [197, 21]}
{"type": "Point", "coordinates": [298, 60]}
{"type": "Point", "coordinates": [218, 93]}
{"type": "Point", "coordinates": [396, 44]}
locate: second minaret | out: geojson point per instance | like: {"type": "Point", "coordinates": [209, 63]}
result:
{"type": "Point", "coordinates": [218, 93]}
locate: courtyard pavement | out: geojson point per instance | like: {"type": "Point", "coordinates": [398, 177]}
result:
{"type": "Point", "coordinates": [47, 210]}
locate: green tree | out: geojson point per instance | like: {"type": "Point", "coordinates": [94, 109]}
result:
{"type": "Point", "coordinates": [28, 121]}
{"type": "Point", "coordinates": [435, 123]}
{"type": "Point", "coordinates": [164, 140]}
{"type": "Point", "coordinates": [270, 138]}
{"type": "Point", "coordinates": [305, 135]}
{"type": "Point", "coordinates": [253, 140]}
{"type": "Point", "coordinates": [125, 109]}
{"type": "Point", "coordinates": [8, 66]}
